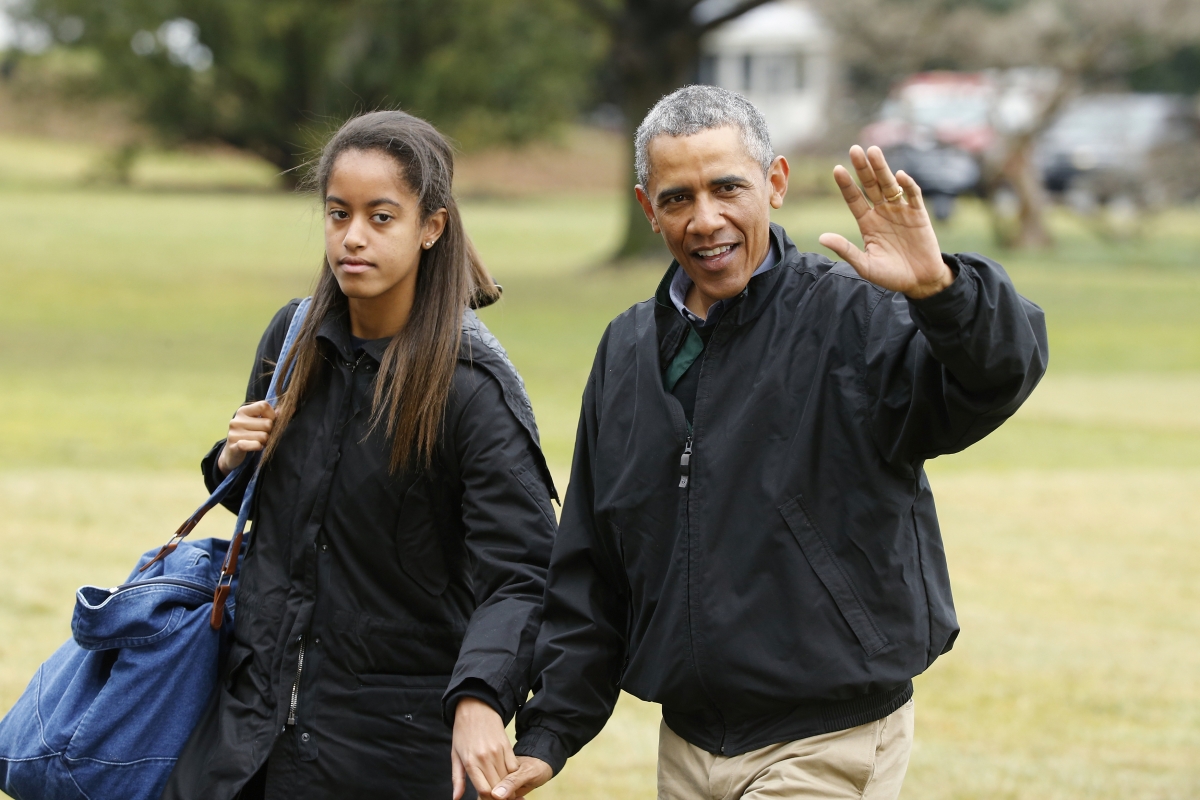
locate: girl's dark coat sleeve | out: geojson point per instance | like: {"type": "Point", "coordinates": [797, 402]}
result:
{"type": "Point", "coordinates": [510, 529]}
{"type": "Point", "coordinates": [256, 389]}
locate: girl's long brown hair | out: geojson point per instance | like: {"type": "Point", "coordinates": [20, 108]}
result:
{"type": "Point", "coordinates": [418, 366]}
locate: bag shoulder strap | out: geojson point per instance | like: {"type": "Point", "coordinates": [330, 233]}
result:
{"type": "Point", "coordinates": [229, 568]}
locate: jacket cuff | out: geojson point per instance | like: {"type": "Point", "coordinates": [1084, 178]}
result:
{"type": "Point", "coordinates": [501, 697]}
{"type": "Point", "coordinates": [949, 304]}
{"type": "Point", "coordinates": [471, 687]}
{"type": "Point", "coordinates": [543, 744]}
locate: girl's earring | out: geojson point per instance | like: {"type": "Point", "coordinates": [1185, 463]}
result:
{"type": "Point", "coordinates": [428, 245]}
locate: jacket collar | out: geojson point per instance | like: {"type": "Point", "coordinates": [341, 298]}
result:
{"type": "Point", "coordinates": [335, 329]}
{"type": "Point", "coordinates": [746, 307]}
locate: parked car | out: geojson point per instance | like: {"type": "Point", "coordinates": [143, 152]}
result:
{"type": "Point", "coordinates": [1120, 147]}
{"type": "Point", "coordinates": [939, 126]}
{"type": "Point", "coordinates": [943, 173]}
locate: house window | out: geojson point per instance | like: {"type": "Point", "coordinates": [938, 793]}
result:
{"type": "Point", "coordinates": [777, 74]}
{"type": "Point", "coordinates": [781, 74]}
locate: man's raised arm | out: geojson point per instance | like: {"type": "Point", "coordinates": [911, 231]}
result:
{"type": "Point", "coordinates": [978, 348]}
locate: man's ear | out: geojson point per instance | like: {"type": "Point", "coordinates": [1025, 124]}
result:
{"type": "Point", "coordinates": [777, 177]}
{"type": "Point", "coordinates": [647, 207]}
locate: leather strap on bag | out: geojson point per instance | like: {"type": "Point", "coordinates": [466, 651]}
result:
{"type": "Point", "coordinates": [229, 567]}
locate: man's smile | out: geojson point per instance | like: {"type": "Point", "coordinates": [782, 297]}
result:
{"type": "Point", "coordinates": [717, 257]}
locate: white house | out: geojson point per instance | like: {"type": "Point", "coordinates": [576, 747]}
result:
{"type": "Point", "coordinates": [780, 56]}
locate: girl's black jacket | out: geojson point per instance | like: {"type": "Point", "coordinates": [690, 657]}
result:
{"type": "Point", "coordinates": [795, 582]}
{"type": "Point", "coordinates": [367, 598]}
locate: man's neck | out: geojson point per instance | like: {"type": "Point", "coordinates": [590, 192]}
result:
{"type": "Point", "coordinates": [697, 302]}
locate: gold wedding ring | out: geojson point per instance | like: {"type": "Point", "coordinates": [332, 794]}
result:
{"type": "Point", "coordinates": [896, 197]}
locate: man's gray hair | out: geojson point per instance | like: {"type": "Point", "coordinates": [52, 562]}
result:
{"type": "Point", "coordinates": [687, 111]}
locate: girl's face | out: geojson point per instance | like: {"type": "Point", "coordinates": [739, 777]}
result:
{"type": "Point", "coordinates": [374, 233]}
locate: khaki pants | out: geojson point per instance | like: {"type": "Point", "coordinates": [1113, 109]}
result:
{"type": "Point", "coordinates": [865, 763]}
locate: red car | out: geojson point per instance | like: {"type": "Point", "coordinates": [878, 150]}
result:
{"type": "Point", "coordinates": [951, 109]}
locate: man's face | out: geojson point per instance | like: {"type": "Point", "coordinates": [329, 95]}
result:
{"type": "Point", "coordinates": [712, 204]}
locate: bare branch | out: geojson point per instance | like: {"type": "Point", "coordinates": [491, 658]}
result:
{"type": "Point", "coordinates": [732, 14]}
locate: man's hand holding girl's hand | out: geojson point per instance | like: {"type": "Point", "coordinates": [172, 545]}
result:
{"type": "Point", "coordinates": [248, 433]}
{"type": "Point", "coordinates": [530, 774]}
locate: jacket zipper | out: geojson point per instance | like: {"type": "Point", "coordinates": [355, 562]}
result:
{"type": "Point", "coordinates": [685, 463]}
{"type": "Point", "coordinates": [291, 720]}
{"type": "Point", "coordinates": [685, 479]}
{"type": "Point", "coordinates": [295, 700]}
{"type": "Point", "coordinates": [294, 703]}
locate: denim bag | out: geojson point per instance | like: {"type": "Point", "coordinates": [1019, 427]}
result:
{"type": "Point", "coordinates": [106, 716]}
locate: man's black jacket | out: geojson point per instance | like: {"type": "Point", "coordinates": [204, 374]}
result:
{"type": "Point", "coordinates": [366, 596]}
{"type": "Point", "coordinates": [797, 582]}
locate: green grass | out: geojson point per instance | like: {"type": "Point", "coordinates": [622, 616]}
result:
{"type": "Point", "coordinates": [29, 164]}
{"type": "Point", "coordinates": [127, 324]}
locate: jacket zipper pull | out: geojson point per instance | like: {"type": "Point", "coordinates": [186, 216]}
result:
{"type": "Point", "coordinates": [685, 464]}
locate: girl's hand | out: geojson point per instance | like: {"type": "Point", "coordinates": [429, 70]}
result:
{"type": "Point", "coordinates": [480, 749]}
{"type": "Point", "coordinates": [248, 432]}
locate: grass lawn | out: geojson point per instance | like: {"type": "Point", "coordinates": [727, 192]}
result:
{"type": "Point", "coordinates": [127, 324]}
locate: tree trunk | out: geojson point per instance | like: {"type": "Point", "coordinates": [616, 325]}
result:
{"type": "Point", "coordinates": [639, 242]}
{"type": "Point", "coordinates": [654, 51]}
{"type": "Point", "coordinates": [643, 83]}
{"type": "Point", "coordinates": [1017, 198]}
{"type": "Point", "coordinates": [1018, 171]}
{"type": "Point", "coordinates": [1026, 181]}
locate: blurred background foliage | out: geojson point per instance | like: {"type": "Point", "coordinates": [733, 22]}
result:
{"type": "Point", "coordinates": [273, 76]}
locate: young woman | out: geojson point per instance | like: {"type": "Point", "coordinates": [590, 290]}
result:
{"type": "Point", "coordinates": [393, 580]}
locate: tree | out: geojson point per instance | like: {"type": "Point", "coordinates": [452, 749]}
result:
{"type": "Point", "coordinates": [270, 75]}
{"type": "Point", "coordinates": [1086, 43]}
{"type": "Point", "coordinates": [653, 49]}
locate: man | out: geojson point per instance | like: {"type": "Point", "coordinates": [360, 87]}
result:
{"type": "Point", "coordinates": [749, 538]}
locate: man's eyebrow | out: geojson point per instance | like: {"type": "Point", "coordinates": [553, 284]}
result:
{"type": "Point", "coordinates": [725, 180]}
{"type": "Point", "coordinates": [665, 193]}
{"type": "Point", "coordinates": [380, 201]}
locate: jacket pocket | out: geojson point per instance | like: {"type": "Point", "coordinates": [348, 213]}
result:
{"type": "Point", "coordinates": [398, 734]}
{"type": "Point", "coordinates": [831, 574]}
{"type": "Point", "coordinates": [236, 663]}
{"type": "Point", "coordinates": [539, 492]}
{"type": "Point", "coordinates": [245, 694]}
{"type": "Point", "coordinates": [436, 683]}
{"type": "Point", "coordinates": [418, 545]}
